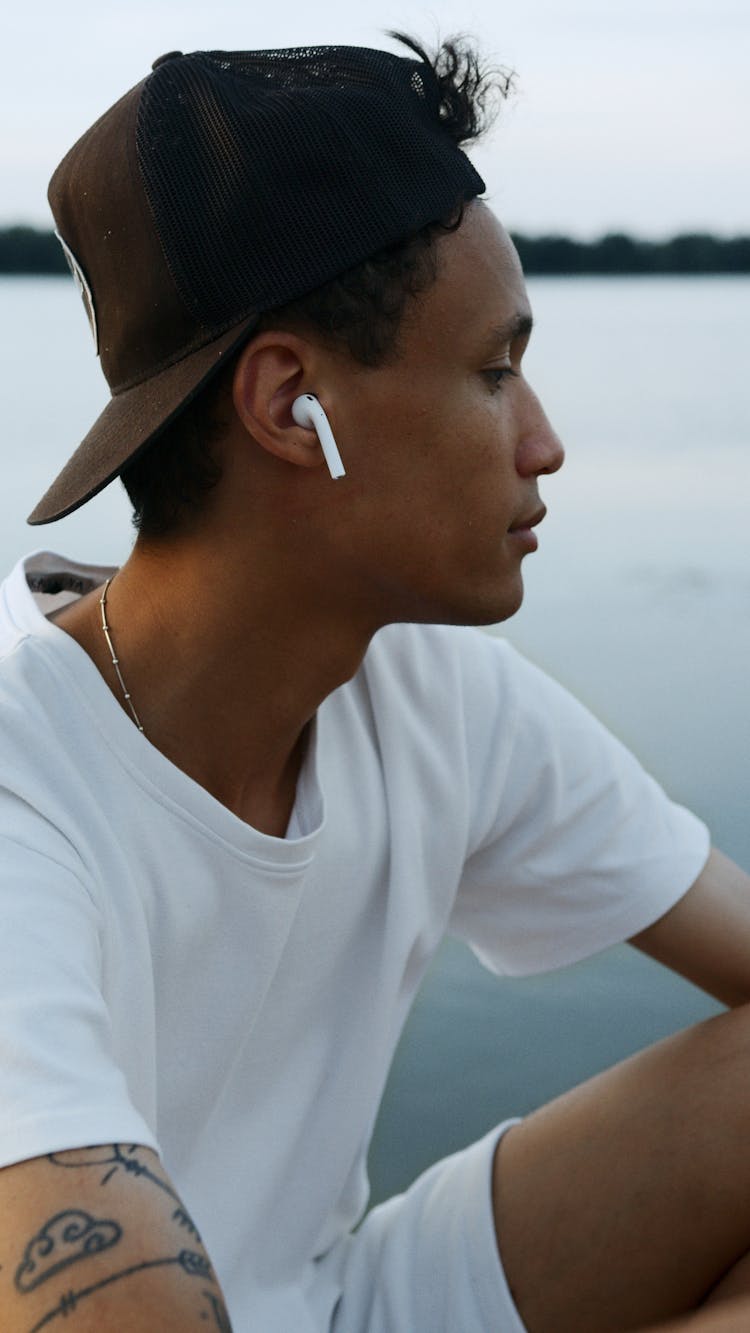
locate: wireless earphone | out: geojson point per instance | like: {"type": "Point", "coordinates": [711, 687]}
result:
{"type": "Point", "coordinates": [307, 411]}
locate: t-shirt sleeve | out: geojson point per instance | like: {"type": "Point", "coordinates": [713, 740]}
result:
{"type": "Point", "coordinates": [573, 846]}
{"type": "Point", "coordinates": [60, 1084]}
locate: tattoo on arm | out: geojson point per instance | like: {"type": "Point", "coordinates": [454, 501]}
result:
{"type": "Point", "coordinates": [195, 1265]}
{"type": "Point", "coordinates": [114, 1156]}
{"type": "Point", "coordinates": [75, 1234]}
{"type": "Point", "coordinates": [183, 1219]}
{"type": "Point", "coordinates": [218, 1312]}
{"type": "Point", "coordinates": [63, 1240]}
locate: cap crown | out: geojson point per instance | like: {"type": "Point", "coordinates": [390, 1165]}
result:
{"type": "Point", "coordinates": [228, 183]}
{"type": "Point", "coordinates": [223, 185]}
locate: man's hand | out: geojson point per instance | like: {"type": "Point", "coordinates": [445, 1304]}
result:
{"type": "Point", "coordinates": [706, 935]}
{"type": "Point", "coordinates": [100, 1234]}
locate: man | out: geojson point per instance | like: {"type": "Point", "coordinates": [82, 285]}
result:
{"type": "Point", "coordinates": [252, 778]}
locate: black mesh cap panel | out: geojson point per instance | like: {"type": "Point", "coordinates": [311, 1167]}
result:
{"type": "Point", "coordinates": [270, 172]}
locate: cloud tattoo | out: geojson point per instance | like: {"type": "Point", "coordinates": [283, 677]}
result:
{"type": "Point", "coordinates": [63, 1240]}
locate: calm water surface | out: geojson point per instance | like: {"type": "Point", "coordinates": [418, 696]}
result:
{"type": "Point", "coordinates": [638, 600]}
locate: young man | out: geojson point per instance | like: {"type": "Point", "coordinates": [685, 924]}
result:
{"type": "Point", "coordinates": [251, 779]}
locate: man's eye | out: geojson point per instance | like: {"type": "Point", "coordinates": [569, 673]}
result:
{"type": "Point", "coordinates": [497, 374]}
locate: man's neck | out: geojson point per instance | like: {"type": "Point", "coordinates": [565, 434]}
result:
{"type": "Point", "coordinates": [224, 673]}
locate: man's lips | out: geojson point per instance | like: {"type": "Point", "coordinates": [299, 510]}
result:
{"type": "Point", "coordinates": [523, 524]}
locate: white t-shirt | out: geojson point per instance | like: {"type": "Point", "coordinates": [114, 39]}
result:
{"type": "Point", "coordinates": [169, 976]}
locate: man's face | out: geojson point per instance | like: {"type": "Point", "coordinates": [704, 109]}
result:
{"type": "Point", "coordinates": [447, 443]}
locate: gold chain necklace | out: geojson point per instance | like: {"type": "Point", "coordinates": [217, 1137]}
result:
{"type": "Point", "coordinates": [115, 658]}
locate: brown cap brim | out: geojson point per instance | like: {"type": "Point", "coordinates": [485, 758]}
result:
{"type": "Point", "coordinates": [131, 420]}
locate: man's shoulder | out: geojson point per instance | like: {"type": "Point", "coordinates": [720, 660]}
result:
{"type": "Point", "coordinates": [33, 755]}
{"type": "Point", "coordinates": [30, 646]}
{"type": "Point", "coordinates": [441, 681]}
{"type": "Point", "coordinates": [34, 685]}
{"type": "Point", "coordinates": [434, 647]}
{"type": "Point", "coordinates": [42, 582]}
{"type": "Point", "coordinates": [429, 661]}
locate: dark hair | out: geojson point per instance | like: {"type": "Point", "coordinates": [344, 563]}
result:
{"type": "Point", "coordinates": [360, 310]}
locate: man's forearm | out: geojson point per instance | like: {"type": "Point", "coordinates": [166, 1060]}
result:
{"type": "Point", "coordinates": [731, 1316]}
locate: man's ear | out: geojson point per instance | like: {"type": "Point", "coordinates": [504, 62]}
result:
{"type": "Point", "coordinates": [272, 370]}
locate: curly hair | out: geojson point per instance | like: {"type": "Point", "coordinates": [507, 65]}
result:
{"type": "Point", "coordinates": [360, 310]}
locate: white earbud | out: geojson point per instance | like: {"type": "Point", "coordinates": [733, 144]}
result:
{"type": "Point", "coordinates": [307, 411]}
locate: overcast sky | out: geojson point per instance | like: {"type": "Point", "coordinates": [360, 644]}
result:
{"type": "Point", "coordinates": [629, 114]}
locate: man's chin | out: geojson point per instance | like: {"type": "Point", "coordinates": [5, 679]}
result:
{"type": "Point", "coordinates": [490, 607]}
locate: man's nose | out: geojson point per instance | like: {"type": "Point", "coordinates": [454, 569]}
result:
{"type": "Point", "coordinates": [540, 448]}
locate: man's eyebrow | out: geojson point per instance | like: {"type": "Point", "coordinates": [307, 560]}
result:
{"type": "Point", "coordinates": [519, 326]}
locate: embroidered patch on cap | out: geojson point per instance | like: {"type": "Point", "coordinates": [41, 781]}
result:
{"type": "Point", "coordinates": [83, 287]}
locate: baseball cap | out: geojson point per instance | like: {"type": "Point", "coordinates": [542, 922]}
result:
{"type": "Point", "coordinates": [223, 185]}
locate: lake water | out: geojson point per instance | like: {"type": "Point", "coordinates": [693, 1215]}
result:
{"type": "Point", "coordinates": [638, 600]}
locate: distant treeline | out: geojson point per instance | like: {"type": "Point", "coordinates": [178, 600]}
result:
{"type": "Point", "coordinates": [28, 250]}
{"type": "Point", "coordinates": [693, 252]}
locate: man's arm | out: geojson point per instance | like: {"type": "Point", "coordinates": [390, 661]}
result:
{"type": "Point", "coordinates": [98, 1240]}
{"type": "Point", "coordinates": [727, 1317]}
{"type": "Point", "coordinates": [706, 938]}
{"type": "Point", "coordinates": [706, 935]}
